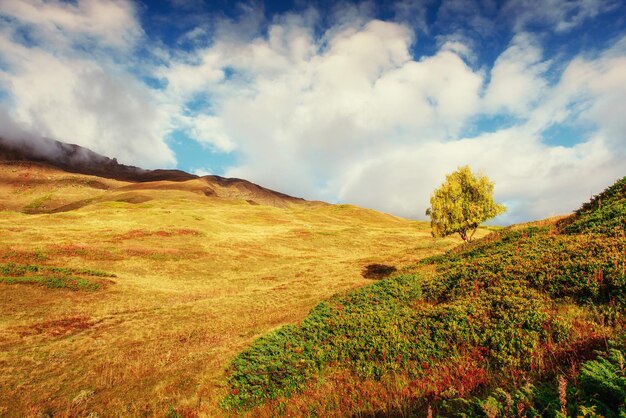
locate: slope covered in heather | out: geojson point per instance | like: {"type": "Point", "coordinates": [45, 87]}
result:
{"type": "Point", "coordinates": [525, 322]}
{"type": "Point", "coordinates": [604, 213]}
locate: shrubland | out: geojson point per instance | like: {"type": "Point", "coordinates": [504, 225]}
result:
{"type": "Point", "coordinates": [524, 322]}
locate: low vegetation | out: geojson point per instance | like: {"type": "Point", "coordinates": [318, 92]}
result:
{"type": "Point", "coordinates": [197, 280]}
{"type": "Point", "coordinates": [194, 323]}
{"type": "Point", "coordinates": [525, 322]}
{"type": "Point", "coordinates": [604, 214]}
{"type": "Point", "coordinates": [51, 277]}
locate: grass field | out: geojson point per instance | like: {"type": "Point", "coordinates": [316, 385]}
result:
{"type": "Point", "coordinates": [155, 291]}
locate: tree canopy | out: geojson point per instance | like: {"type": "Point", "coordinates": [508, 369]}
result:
{"type": "Point", "coordinates": [461, 204]}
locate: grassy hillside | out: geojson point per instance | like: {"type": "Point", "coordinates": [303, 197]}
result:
{"type": "Point", "coordinates": [603, 214]}
{"type": "Point", "coordinates": [132, 301]}
{"type": "Point", "coordinates": [525, 322]}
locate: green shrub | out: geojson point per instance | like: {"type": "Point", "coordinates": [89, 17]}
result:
{"type": "Point", "coordinates": [603, 384]}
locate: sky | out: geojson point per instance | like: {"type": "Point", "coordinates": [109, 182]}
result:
{"type": "Point", "coordinates": [368, 103]}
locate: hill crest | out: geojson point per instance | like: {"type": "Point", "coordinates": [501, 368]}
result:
{"type": "Point", "coordinates": [72, 158]}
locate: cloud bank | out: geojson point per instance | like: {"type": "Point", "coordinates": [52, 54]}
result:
{"type": "Point", "coordinates": [338, 105]}
{"type": "Point", "coordinates": [66, 70]}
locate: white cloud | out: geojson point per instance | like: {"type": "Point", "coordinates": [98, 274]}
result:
{"type": "Point", "coordinates": [202, 171]}
{"type": "Point", "coordinates": [517, 81]}
{"type": "Point", "coordinates": [185, 79]}
{"type": "Point", "coordinates": [533, 180]}
{"type": "Point", "coordinates": [459, 48]}
{"type": "Point", "coordinates": [310, 108]}
{"type": "Point", "coordinates": [111, 22]}
{"type": "Point", "coordinates": [562, 15]}
{"type": "Point", "coordinates": [58, 90]}
{"type": "Point", "coordinates": [608, 85]}
{"type": "Point", "coordinates": [209, 130]}
{"type": "Point", "coordinates": [354, 115]}
{"type": "Point", "coordinates": [589, 92]}
{"type": "Point", "coordinates": [81, 102]}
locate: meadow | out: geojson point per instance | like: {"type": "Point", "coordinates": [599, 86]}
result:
{"type": "Point", "coordinates": [125, 301]}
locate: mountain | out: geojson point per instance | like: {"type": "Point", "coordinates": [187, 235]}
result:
{"type": "Point", "coordinates": [76, 159]}
{"type": "Point", "coordinates": [60, 158]}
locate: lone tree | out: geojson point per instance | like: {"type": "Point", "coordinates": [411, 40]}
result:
{"type": "Point", "coordinates": [462, 203]}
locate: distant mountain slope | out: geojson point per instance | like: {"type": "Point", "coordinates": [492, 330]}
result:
{"type": "Point", "coordinates": [227, 188]}
{"type": "Point", "coordinates": [77, 159]}
{"type": "Point", "coordinates": [46, 155]}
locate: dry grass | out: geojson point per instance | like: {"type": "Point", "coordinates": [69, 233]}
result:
{"type": "Point", "coordinates": [197, 279]}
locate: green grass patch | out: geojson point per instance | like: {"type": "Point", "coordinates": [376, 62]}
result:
{"type": "Point", "coordinates": [36, 204]}
{"type": "Point", "coordinates": [587, 268]}
{"type": "Point", "coordinates": [69, 282]}
{"type": "Point", "coordinates": [52, 277]}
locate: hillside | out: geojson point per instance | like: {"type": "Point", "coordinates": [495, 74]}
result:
{"type": "Point", "coordinates": [125, 298]}
{"type": "Point", "coordinates": [206, 296]}
{"type": "Point", "coordinates": [32, 187]}
{"type": "Point", "coordinates": [65, 177]}
{"type": "Point", "coordinates": [525, 322]}
{"type": "Point", "coordinates": [76, 159]}
{"type": "Point", "coordinates": [46, 165]}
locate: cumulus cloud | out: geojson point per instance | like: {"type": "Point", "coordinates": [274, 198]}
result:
{"type": "Point", "coordinates": [293, 100]}
{"type": "Point", "coordinates": [561, 15]}
{"type": "Point", "coordinates": [110, 22]}
{"type": "Point", "coordinates": [60, 91]}
{"type": "Point", "coordinates": [517, 77]}
{"type": "Point", "coordinates": [532, 180]}
{"type": "Point", "coordinates": [352, 116]}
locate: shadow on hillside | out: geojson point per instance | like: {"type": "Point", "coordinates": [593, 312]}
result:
{"type": "Point", "coordinates": [377, 271]}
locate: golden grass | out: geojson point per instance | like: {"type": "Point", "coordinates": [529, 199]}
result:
{"type": "Point", "coordinates": [197, 279]}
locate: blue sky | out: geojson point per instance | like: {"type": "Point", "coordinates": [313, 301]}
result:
{"type": "Point", "coordinates": [369, 103]}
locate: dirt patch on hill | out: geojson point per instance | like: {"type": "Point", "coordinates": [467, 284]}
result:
{"type": "Point", "coordinates": [57, 327]}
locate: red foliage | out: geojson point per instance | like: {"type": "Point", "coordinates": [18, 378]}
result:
{"type": "Point", "coordinates": [460, 377]}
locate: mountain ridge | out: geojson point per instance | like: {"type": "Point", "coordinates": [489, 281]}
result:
{"type": "Point", "coordinates": [72, 158]}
